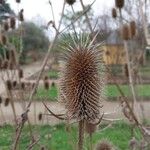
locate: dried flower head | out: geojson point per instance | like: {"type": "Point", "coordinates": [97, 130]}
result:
{"type": "Point", "coordinates": [114, 13]}
{"type": "Point", "coordinates": [104, 145]}
{"type": "Point", "coordinates": [12, 22]}
{"type": "Point", "coordinates": [46, 78]}
{"type": "Point", "coordinates": [1, 100]}
{"type": "Point", "coordinates": [3, 39]}
{"type": "Point", "coordinates": [46, 84]}
{"type": "Point", "coordinates": [18, 1]}
{"type": "Point", "coordinates": [9, 85]}
{"type": "Point", "coordinates": [7, 100]}
{"type": "Point", "coordinates": [125, 32]}
{"type": "Point", "coordinates": [21, 16]}
{"type": "Point", "coordinates": [70, 2]}
{"type": "Point", "coordinates": [81, 82]}
{"type": "Point", "coordinates": [20, 73]}
{"type": "Point", "coordinates": [53, 84]}
{"type": "Point", "coordinates": [119, 3]}
{"type": "Point", "coordinates": [132, 29]}
{"type": "Point", "coordinates": [6, 26]}
{"type": "Point", "coordinates": [22, 85]}
{"type": "Point", "coordinates": [14, 84]}
{"type": "Point", "coordinates": [12, 56]}
{"type": "Point", "coordinates": [40, 116]}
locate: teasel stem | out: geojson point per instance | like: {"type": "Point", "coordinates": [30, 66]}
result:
{"type": "Point", "coordinates": [81, 134]}
{"type": "Point", "coordinates": [2, 114]}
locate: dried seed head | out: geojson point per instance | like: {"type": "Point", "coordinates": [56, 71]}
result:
{"type": "Point", "coordinates": [90, 128]}
{"type": "Point", "coordinates": [42, 148]}
{"type": "Point", "coordinates": [70, 2]}
{"type": "Point", "coordinates": [7, 100]}
{"type": "Point", "coordinates": [46, 78]}
{"type": "Point", "coordinates": [80, 83]}
{"type": "Point", "coordinates": [12, 56]}
{"type": "Point", "coordinates": [53, 84]}
{"type": "Point", "coordinates": [132, 29]}
{"type": "Point", "coordinates": [1, 100]}
{"type": "Point", "coordinates": [119, 3]}
{"type": "Point", "coordinates": [6, 26]}
{"type": "Point", "coordinates": [5, 64]}
{"type": "Point", "coordinates": [22, 85]}
{"type": "Point", "coordinates": [9, 85]}
{"type": "Point", "coordinates": [114, 13]}
{"type": "Point", "coordinates": [104, 145]}
{"type": "Point", "coordinates": [20, 73]}
{"type": "Point", "coordinates": [3, 39]}
{"type": "Point", "coordinates": [40, 116]}
{"type": "Point", "coordinates": [14, 84]}
{"type": "Point", "coordinates": [18, 1]}
{"type": "Point", "coordinates": [21, 16]}
{"type": "Point", "coordinates": [12, 22]}
{"type": "Point", "coordinates": [125, 32]}
{"type": "Point", "coordinates": [46, 84]}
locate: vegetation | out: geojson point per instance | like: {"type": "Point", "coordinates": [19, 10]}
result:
{"type": "Point", "coordinates": [57, 138]}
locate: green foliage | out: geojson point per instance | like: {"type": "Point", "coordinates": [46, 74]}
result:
{"type": "Point", "coordinates": [119, 134]}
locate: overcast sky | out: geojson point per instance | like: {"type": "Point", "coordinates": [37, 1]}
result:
{"type": "Point", "coordinates": [33, 8]}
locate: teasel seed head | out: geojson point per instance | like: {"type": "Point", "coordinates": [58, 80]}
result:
{"type": "Point", "coordinates": [9, 85]}
{"type": "Point", "coordinates": [12, 22]}
{"type": "Point", "coordinates": [104, 145]}
{"type": "Point", "coordinates": [42, 148]}
{"type": "Point", "coordinates": [90, 128]}
{"type": "Point", "coordinates": [20, 73]}
{"type": "Point", "coordinates": [70, 2]}
{"type": "Point", "coordinates": [3, 39]}
{"type": "Point", "coordinates": [53, 84]}
{"type": "Point", "coordinates": [18, 1]}
{"type": "Point", "coordinates": [132, 29]}
{"type": "Point", "coordinates": [125, 33]}
{"type": "Point", "coordinates": [5, 64]}
{"type": "Point", "coordinates": [1, 100]}
{"type": "Point", "coordinates": [114, 13]}
{"type": "Point", "coordinates": [22, 85]}
{"type": "Point", "coordinates": [14, 84]}
{"type": "Point", "coordinates": [21, 16]}
{"type": "Point", "coordinates": [80, 81]}
{"type": "Point", "coordinates": [7, 100]}
{"type": "Point", "coordinates": [119, 3]}
{"type": "Point", "coordinates": [46, 84]}
{"type": "Point", "coordinates": [40, 116]}
{"type": "Point", "coordinates": [6, 26]}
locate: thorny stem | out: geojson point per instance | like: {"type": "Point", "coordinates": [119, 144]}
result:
{"type": "Point", "coordinates": [81, 135]}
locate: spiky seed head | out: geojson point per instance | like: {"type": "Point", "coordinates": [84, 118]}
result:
{"type": "Point", "coordinates": [6, 26]}
{"type": "Point", "coordinates": [14, 84]}
{"type": "Point", "coordinates": [114, 13]}
{"type": "Point", "coordinates": [1, 100]}
{"type": "Point", "coordinates": [20, 73]}
{"type": "Point", "coordinates": [9, 85]}
{"type": "Point", "coordinates": [125, 32]}
{"type": "Point", "coordinates": [104, 145]}
{"type": "Point", "coordinates": [119, 3]}
{"type": "Point", "coordinates": [132, 29]}
{"type": "Point", "coordinates": [46, 84]}
{"type": "Point", "coordinates": [80, 82]}
{"type": "Point", "coordinates": [22, 85]}
{"type": "Point", "coordinates": [53, 84]}
{"type": "Point", "coordinates": [18, 1]}
{"type": "Point", "coordinates": [12, 22]}
{"type": "Point", "coordinates": [40, 116]}
{"type": "Point", "coordinates": [90, 128]}
{"type": "Point", "coordinates": [21, 16]}
{"type": "Point", "coordinates": [7, 100]}
{"type": "Point", "coordinates": [3, 39]}
{"type": "Point", "coordinates": [70, 2]}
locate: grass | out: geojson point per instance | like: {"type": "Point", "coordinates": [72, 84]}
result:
{"type": "Point", "coordinates": [111, 91]}
{"type": "Point", "coordinates": [59, 139]}
{"type": "Point", "coordinates": [52, 74]}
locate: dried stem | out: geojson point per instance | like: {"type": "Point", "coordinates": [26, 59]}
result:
{"type": "Point", "coordinates": [81, 135]}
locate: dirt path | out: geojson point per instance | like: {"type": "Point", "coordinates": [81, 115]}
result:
{"type": "Point", "coordinates": [112, 110]}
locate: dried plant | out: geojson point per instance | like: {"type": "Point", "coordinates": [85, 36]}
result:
{"type": "Point", "coordinates": [114, 13]}
{"type": "Point", "coordinates": [119, 3]}
{"type": "Point", "coordinates": [70, 2]}
{"type": "Point", "coordinates": [21, 16]}
{"type": "Point", "coordinates": [104, 145]}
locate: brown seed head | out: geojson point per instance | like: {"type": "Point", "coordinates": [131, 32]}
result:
{"type": "Point", "coordinates": [18, 1]}
{"type": "Point", "coordinates": [12, 22]}
{"type": "Point", "coordinates": [14, 84]}
{"type": "Point", "coordinates": [125, 32]}
{"type": "Point", "coordinates": [132, 29]}
{"type": "Point", "coordinates": [12, 56]}
{"type": "Point", "coordinates": [90, 128]}
{"type": "Point", "coordinates": [46, 84]}
{"type": "Point", "coordinates": [9, 85]}
{"type": "Point", "coordinates": [1, 100]}
{"type": "Point", "coordinates": [5, 64]}
{"type": "Point", "coordinates": [20, 73]}
{"type": "Point", "coordinates": [70, 2]}
{"type": "Point", "coordinates": [119, 3]}
{"type": "Point", "coordinates": [53, 84]}
{"type": "Point", "coordinates": [80, 82]}
{"type": "Point", "coordinates": [3, 39]}
{"type": "Point", "coordinates": [6, 26]}
{"type": "Point", "coordinates": [46, 78]}
{"type": "Point", "coordinates": [22, 85]}
{"type": "Point", "coordinates": [21, 16]}
{"type": "Point", "coordinates": [104, 145]}
{"type": "Point", "coordinates": [7, 100]}
{"type": "Point", "coordinates": [40, 116]}
{"type": "Point", "coordinates": [114, 13]}
{"type": "Point", "coordinates": [126, 72]}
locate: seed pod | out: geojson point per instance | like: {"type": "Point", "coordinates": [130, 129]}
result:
{"type": "Point", "coordinates": [70, 2]}
{"type": "Point", "coordinates": [12, 22]}
{"type": "Point", "coordinates": [119, 3]}
{"type": "Point", "coordinates": [125, 32]}
{"type": "Point", "coordinates": [18, 1]}
{"type": "Point", "coordinates": [20, 73]}
{"type": "Point", "coordinates": [6, 26]}
{"type": "Point", "coordinates": [40, 116]}
{"type": "Point", "coordinates": [1, 100]}
{"type": "Point", "coordinates": [21, 16]}
{"type": "Point", "coordinates": [80, 82]}
{"type": "Point", "coordinates": [9, 85]}
{"type": "Point", "coordinates": [90, 128]}
{"type": "Point", "coordinates": [46, 85]}
{"type": "Point", "coordinates": [7, 100]}
{"type": "Point", "coordinates": [3, 39]}
{"type": "Point", "coordinates": [104, 145]}
{"type": "Point", "coordinates": [114, 13]}
{"type": "Point", "coordinates": [132, 29]}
